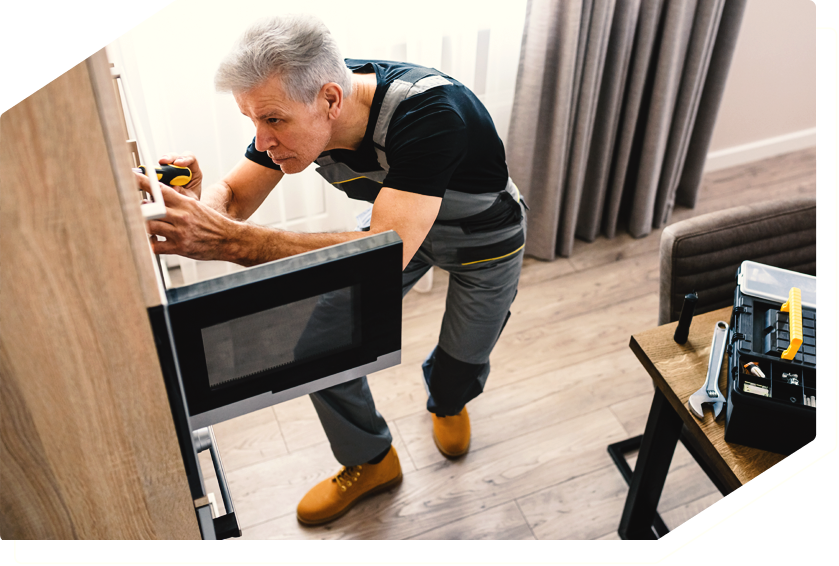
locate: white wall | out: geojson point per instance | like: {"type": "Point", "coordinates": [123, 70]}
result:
{"type": "Point", "coordinates": [769, 104]}
{"type": "Point", "coordinates": [169, 61]}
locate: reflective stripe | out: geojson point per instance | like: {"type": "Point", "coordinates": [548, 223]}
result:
{"type": "Point", "coordinates": [494, 258]}
{"type": "Point", "coordinates": [340, 172]}
{"type": "Point", "coordinates": [355, 179]}
{"type": "Point", "coordinates": [466, 253]}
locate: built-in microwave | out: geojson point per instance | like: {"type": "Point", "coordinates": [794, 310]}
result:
{"type": "Point", "coordinates": [254, 338]}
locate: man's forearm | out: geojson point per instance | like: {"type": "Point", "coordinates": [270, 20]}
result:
{"type": "Point", "coordinates": [197, 230]}
{"type": "Point", "coordinates": [250, 244]}
{"type": "Point", "coordinates": [219, 197]}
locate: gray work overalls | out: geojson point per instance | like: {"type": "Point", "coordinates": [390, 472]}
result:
{"type": "Point", "coordinates": [478, 239]}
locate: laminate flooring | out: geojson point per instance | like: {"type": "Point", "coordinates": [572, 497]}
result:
{"type": "Point", "coordinates": [563, 386]}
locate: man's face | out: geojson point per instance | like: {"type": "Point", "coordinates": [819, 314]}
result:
{"type": "Point", "coordinates": [293, 133]}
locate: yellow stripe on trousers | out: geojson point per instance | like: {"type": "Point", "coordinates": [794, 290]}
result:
{"type": "Point", "coordinates": [494, 258]}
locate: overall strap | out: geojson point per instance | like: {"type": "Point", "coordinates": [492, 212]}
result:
{"type": "Point", "coordinates": [324, 159]}
{"type": "Point", "coordinates": [415, 81]}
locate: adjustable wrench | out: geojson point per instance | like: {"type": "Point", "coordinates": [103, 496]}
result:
{"type": "Point", "coordinates": [710, 392]}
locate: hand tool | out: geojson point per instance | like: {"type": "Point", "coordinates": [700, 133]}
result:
{"type": "Point", "coordinates": [710, 392]}
{"type": "Point", "coordinates": [685, 318]}
{"type": "Point", "coordinates": [172, 175]}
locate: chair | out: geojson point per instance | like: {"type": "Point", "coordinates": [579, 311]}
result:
{"type": "Point", "coordinates": [702, 254]}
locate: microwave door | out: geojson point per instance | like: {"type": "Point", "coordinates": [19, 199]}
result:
{"type": "Point", "coordinates": [258, 337]}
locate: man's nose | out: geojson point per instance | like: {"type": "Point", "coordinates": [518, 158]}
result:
{"type": "Point", "coordinates": [264, 139]}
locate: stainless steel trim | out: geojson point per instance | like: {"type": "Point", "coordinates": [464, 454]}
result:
{"type": "Point", "coordinates": [269, 399]}
{"type": "Point", "coordinates": [282, 266]}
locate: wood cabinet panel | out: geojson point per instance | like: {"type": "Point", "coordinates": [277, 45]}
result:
{"type": "Point", "coordinates": [87, 442]}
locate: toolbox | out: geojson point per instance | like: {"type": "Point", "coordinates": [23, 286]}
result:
{"type": "Point", "coordinates": [772, 386]}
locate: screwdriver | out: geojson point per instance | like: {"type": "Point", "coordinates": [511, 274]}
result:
{"type": "Point", "coordinates": [171, 175]}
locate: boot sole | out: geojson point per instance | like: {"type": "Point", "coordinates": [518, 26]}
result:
{"type": "Point", "coordinates": [378, 489]}
{"type": "Point", "coordinates": [450, 455]}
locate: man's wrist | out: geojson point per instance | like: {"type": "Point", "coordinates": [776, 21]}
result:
{"type": "Point", "coordinates": [234, 249]}
{"type": "Point", "coordinates": [248, 244]}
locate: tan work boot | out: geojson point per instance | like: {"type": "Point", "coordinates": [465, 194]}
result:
{"type": "Point", "coordinates": [333, 497]}
{"type": "Point", "coordinates": [452, 434]}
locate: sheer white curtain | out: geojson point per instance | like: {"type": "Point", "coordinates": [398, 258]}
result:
{"type": "Point", "coordinates": [168, 63]}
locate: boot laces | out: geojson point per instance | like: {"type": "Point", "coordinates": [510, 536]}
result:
{"type": "Point", "coordinates": [347, 476]}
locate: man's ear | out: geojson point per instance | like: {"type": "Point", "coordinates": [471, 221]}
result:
{"type": "Point", "coordinates": [333, 95]}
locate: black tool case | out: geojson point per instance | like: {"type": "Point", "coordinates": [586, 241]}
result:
{"type": "Point", "coordinates": [777, 412]}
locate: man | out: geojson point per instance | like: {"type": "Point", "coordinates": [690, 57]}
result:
{"type": "Point", "coordinates": [423, 150]}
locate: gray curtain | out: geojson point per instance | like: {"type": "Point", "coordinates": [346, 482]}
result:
{"type": "Point", "coordinates": [614, 109]}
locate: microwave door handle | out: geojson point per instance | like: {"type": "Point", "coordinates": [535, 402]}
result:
{"type": "Point", "coordinates": [226, 525]}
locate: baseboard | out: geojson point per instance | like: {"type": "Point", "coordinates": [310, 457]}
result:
{"type": "Point", "coordinates": [761, 149]}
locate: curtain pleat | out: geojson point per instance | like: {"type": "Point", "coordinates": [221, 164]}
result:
{"type": "Point", "coordinates": [615, 99]}
{"type": "Point", "coordinates": [645, 44]}
{"type": "Point", "coordinates": [541, 116]}
{"type": "Point", "coordinates": [701, 46]}
{"type": "Point", "coordinates": [608, 116]}
{"type": "Point", "coordinates": [592, 74]}
{"type": "Point", "coordinates": [671, 59]}
{"type": "Point", "coordinates": [706, 116]}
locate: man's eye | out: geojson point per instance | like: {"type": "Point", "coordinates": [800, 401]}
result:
{"type": "Point", "coordinates": [273, 120]}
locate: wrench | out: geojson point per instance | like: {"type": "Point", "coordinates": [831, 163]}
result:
{"type": "Point", "coordinates": [710, 392]}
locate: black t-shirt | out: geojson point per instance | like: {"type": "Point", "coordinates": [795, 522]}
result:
{"type": "Point", "coordinates": [442, 138]}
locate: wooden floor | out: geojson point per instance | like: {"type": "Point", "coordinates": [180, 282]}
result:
{"type": "Point", "coordinates": [563, 386]}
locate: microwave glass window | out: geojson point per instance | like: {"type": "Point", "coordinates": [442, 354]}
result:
{"type": "Point", "coordinates": [280, 336]}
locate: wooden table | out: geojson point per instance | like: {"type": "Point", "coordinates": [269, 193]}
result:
{"type": "Point", "coordinates": [678, 371]}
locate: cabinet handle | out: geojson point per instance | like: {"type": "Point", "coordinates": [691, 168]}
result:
{"type": "Point", "coordinates": [226, 525]}
{"type": "Point", "coordinates": [151, 210]}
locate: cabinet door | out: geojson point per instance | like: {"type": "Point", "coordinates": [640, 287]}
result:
{"type": "Point", "coordinates": [87, 443]}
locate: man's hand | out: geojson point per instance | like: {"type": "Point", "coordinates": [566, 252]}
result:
{"type": "Point", "coordinates": [191, 228]}
{"type": "Point", "coordinates": [144, 184]}
{"type": "Point", "coordinates": [186, 159]}
{"type": "Point", "coordinates": [210, 229]}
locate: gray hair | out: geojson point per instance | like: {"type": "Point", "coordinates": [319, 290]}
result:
{"type": "Point", "coordinates": [298, 49]}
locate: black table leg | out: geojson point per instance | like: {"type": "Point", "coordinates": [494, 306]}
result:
{"type": "Point", "coordinates": [618, 452]}
{"type": "Point", "coordinates": [657, 447]}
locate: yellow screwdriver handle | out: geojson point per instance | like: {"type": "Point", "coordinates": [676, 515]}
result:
{"type": "Point", "coordinates": [172, 175]}
{"type": "Point", "coordinates": [796, 330]}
